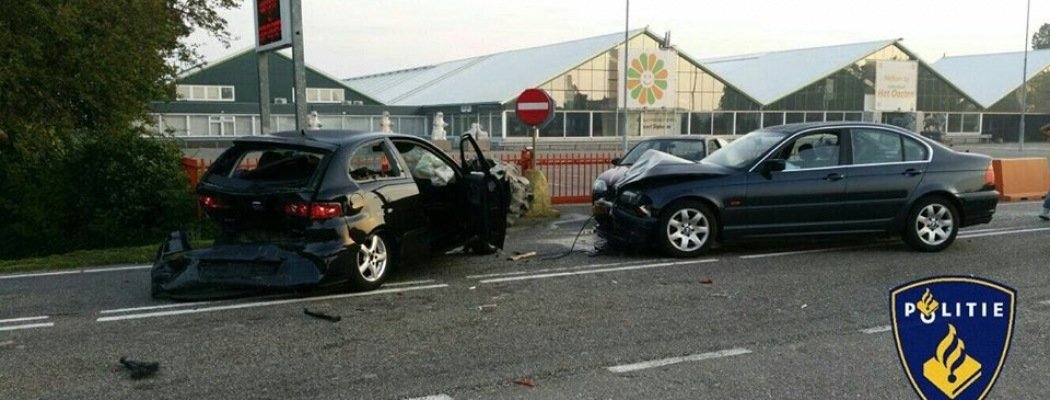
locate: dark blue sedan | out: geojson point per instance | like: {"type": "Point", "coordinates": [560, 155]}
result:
{"type": "Point", "coordinates": [801, 179]}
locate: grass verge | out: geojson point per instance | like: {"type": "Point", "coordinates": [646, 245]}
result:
{"type": "Point", "coordinates": [88, 258]}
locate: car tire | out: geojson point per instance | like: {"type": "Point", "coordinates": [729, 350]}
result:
{"type": "Point", "coordinates": [372, 263]}
{"type": "Point", "coordinates": [687, 228]}
{"type": "Point", "coordinates": [932, 224]}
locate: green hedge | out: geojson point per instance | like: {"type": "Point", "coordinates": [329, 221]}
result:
{"type": "Point", "coordinates": [64, 193]}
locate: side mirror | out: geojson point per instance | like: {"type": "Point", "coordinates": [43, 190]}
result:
{"type": "Point", "coordinates": [775, 165]}
{"type": "Point", "coordinates": [615, 161]}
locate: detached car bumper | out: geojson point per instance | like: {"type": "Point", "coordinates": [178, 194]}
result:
{"type": "Point", "coordinates": [623, 226]}
{"type": "Point", "coordinates": [227, 269]}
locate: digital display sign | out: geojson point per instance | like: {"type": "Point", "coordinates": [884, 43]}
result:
{"type": "Point", "coordinates": [273, 24]}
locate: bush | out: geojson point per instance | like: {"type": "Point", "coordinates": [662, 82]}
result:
{"type": "Point", "coordinates": [93, 191]}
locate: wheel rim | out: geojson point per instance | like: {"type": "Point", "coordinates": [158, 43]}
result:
{"type": "Point", "coordinates": [371, 258]}
{"type": "Point", "coordinates": [687, 230]}
{"type": "Point", "coordinates": [934, 224]}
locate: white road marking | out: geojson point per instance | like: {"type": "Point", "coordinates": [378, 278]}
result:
{"type": "Point", "coordinates": [407, 283]}
{"type": "Point", "coordinates": [27, 326]}
{"type": "Point", "coordinates": [876, 329]}
{"type": "Point", "coordinates": [433, 397]}
{"type": "Point", "coordinates": [536, 271]}
{"type": "Point", "coordinates": [594, 271]}
{"type": "Point", "coordinates": [675, 360]}
{"type": "Point", "coordinates": [160, 307]}
{"type": "Point", "coordinates": [23, 319]}
{"type": "Point", "coordinates": [263, 303]}
{"type": "Point", "coordinates": [968, 231]}
{"type": "Point", "coordinates": [571, 219]}
{"type": "Point", "coordinates": [78, 271]}
{"type": "Point", "coordinates": [789, 253]}
{"type": "Point", "coordinates": [977, 235]}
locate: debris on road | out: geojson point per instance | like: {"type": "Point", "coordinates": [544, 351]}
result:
{"type": "Point", "coordinates": [527, 382]}
{"type": "Point", "coordinates": [7, 343]}
{"type": "Point", "coordinates": [707, 281]}
{"type": "Point", "coordinates": [518, 256]}
{"type": "Point", "coordinates": [321, 315]}
{"type": "Point", "coordinates": [804, 306]}
{"type": "Point", "coordinates": [140, 369]}
{"type": "Point", "coordinates": [484, 307]}
{"type": "Point", "coordinates": [472, 288]}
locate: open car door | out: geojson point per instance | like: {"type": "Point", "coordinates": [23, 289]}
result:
{"type": "Point", "coordinates": [487, 195]}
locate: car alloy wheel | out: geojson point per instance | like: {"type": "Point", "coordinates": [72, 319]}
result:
{"type": "Point", "coordinates": [934, 224]}
{"type": "Point", "coordinates": [688, 230]}
{"type": "Point", "coordinates": [372, 258]}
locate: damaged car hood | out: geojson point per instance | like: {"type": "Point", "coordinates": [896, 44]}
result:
{"type": "Point", "coordinates": [654, 163]}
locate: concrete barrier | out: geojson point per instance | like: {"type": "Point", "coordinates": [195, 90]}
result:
{"type": "Point", "coordinates": [1021, 178]}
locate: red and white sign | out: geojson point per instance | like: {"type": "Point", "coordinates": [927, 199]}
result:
{"type": "Point", "coordinates": [534, 107]}
{"type": "Point", "coordinates": [273, 23]}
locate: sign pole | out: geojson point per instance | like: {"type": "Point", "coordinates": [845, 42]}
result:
{"type": "Point", "coordinates": [626, 39]}
{"type": "Point", "coordinates": [535, 134]}
{"type": "Point", "coordinates": [1024, 79]}
{"type": "Point", "coordinates": [264, 93]}
{"type": "Point", "coordinates": [299, 68]}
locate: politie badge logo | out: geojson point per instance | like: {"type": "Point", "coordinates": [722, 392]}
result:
{"type": "Point", "coordinates": [952, 334]}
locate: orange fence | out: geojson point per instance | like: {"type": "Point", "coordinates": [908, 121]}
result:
{"type": "Point", "coordinates": [570, 174]}
{"type": "Point", "coordinates": [1021, 178]}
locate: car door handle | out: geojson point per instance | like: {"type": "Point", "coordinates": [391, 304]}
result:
{"type": "Point", "coordinates": [834, 177]}
{"type": "Point", "coordinates": [912, 172]}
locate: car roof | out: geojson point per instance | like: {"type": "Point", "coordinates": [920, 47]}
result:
{"type": "Point", "coordinates": [330, 139]}
{"type": "Point", "coordinates": [798, 127]}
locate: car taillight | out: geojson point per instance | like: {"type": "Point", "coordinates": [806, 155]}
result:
{"type": "Point", "coordinates": [316, 211]}
{"type": "Point", "coordinates": [989, 176]}
{"type": "Point", "coordinates": [212, 203]}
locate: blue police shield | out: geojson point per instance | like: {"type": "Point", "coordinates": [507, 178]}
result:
{"type": "Point", "coordinates": [952, 334]}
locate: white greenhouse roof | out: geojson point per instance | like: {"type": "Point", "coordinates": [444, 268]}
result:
{"type": "Point", "coordinates": [988, 78]}
{"type": "Point", "coordinates": [768, 77]}
{"type": "Point", "coordinates": [493, 78]}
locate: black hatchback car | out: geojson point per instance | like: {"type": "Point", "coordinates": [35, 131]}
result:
{"type": "Point", "coordinates": [802, 179]}
{"type": "Point", "coordinates": [306, 208]}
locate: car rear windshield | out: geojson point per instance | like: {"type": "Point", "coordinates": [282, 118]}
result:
{"type": "Point", "coordinates": [252, 168]}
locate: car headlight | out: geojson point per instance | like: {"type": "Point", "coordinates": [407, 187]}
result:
{"type": "Point", "coordinates": [599, 186]}
{"type": "Point", "coordinates": [633, 198]}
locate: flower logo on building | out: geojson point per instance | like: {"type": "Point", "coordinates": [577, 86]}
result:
{"type": "Point", "coordinates": [647, 79]}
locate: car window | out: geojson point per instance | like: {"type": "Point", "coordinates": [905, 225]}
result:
{"type": "Point", "coordinates": [265, 166]}
{"type": "Point", "coordinates": [914, 151]}
{"type": "Point", "coordinates": [424, 164]}
{"type": "Point", "coordinates": [812, 150]}
{"type": "Point", "coordinates": [875, 146]}
{"type": "Point", "coordinates": [372, 161]}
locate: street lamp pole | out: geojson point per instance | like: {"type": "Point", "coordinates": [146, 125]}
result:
{"type": "Point", "coordinates": [623, 79]}
{"type": "Point", "coordinates": [1024, 79]}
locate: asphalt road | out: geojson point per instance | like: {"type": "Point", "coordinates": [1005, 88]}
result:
{"type": "Point", "coordinates": [782, 320]}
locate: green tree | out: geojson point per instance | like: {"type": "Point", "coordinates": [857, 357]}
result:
{"type": "Point", "coordinates": [1041, 38]}
{"type": "Point", "coordinates": [77, 77]}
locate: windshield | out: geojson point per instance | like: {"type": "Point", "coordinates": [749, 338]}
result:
{"type": "Point", "coordinates": [692, 150]}
{"type": "Point", "coordinates": [745, 151]}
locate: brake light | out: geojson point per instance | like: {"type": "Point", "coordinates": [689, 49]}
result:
{"type": "Point", "coordinates": [212, 203]}
{"type": "Point", "coordinates": [989, 176]}
{"type": "Point", "coordinates": [315, 211]}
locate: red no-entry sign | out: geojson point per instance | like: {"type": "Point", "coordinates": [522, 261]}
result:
{"type": "Point", "coordinates": [534, 107]}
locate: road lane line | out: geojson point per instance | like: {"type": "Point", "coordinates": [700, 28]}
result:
{"type": "Point", "coordinates": [27, 326]}
{"type": "Point", "coordinates": [594, 271]}
{"type": "Point", "coordinates": [876, 329]}
{"type": "Point", "coordinates": [160, 307]}
{"type": "Point", "coordinates": [968, 231]}
{"type": "Point", "coordinates": [407, 283]}
{"type": "Point", "coordinates": [977, 235]}
{"type": "Point", "coordinates": [536, 271]}
{"type": "Point", "coordinates": [262, 303]}
{"type": "Point", "coordinates": [78, 271]}
{"type": "Point", "coordinates": [433, 397]}
{"type": "Point", "coordinates": [790, 253]}
{"type": "Point", "coordinates": [23, 319]}
{"type": "Point", "coordinates": [675, 360]}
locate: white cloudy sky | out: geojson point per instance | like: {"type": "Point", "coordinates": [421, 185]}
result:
{"type": "Point", "coordinates": [355, 37]}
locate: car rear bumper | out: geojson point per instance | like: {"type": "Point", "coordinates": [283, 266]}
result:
{"type": "Point", "coordinates": [225, 269]}
{"type": "Point", "coordinates": [619, 225]}
{"type": "Point", "coordinates": [978, 207]}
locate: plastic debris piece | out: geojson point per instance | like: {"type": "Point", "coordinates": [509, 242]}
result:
{"type": "Point", "coordinates": [707, 281]}
{"type": "Point", "coordinates": [140, 369]}
{"type": "Point", "coordinates": [484, 307]}
{"type": "Point", "coordinates": [320, 315]}
{"type": "Point", "coordinates": [521, 256]}
{"type": "Point", "coordinates": [527, 382]}
{"type": "Point", "coordinates": [804, 306]}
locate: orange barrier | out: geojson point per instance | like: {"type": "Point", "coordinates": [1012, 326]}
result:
{"type": "Point", "coordinates": [1021, 178]}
